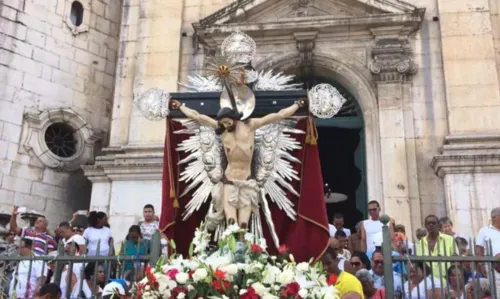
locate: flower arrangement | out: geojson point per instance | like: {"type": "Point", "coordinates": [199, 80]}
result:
{"type": "Point", "coordinates": [239, 267]}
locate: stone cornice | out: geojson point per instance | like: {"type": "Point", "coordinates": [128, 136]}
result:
{"type": "Point", "coordinates": [128, 162]}
{"type": "Point", "coordinates": [406, 23]}
{"type": "Point", "coordinates": [468, 154]}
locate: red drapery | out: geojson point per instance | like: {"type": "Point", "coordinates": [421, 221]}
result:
{"type": "Point", "coordinates": [306, 237]}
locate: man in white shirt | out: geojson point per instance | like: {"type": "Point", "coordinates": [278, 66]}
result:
{"type": "Point", "coordinates": [338, 224]}
{"type": "Point", "coordinates": [489, 235]}
{"type": "Point", "coordinates": [29, 276]}
{"type": "Point", "coordinates": [372, 227]}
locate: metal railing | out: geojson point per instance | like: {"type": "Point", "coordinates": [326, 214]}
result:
{"type": "Point", "coordinates": [58, 268]}
{"type": "Point", "coordinates": [444, 272]}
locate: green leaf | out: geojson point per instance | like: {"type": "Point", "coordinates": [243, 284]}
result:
{"type": "Point", "coordinates": [232, 244]}
{"type": "Point", "coordinates": [191, 249]}
{"type": "Point", "coordinates": [192, 294]}
{"type": "Point", "coordinates": [172, 243]}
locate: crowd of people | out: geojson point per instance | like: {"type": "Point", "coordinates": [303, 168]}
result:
{"type": "Point", "coordinates": [354, 261]}
{"type": "Point", "coordinates": [83, 234]}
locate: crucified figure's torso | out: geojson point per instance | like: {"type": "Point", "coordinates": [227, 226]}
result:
{"type": "Point", "coordinates": [239, 145]}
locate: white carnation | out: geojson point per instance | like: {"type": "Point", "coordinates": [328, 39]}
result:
{"type": "Point", "coordinates": [271, 274]}
{"type": "Point", "coordinates": [231, 269]}
{"type": "Point", "coordinates": [200, 274]}
{"type": "Point", "coordinates": [181, 278]}
{"type": "Point", "coordinates": [181, 296]}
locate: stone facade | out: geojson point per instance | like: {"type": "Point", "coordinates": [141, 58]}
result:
{"type": "Point", "coordinates": [52, 71]}
{"type": "Point", "coordinates": [425, 74]}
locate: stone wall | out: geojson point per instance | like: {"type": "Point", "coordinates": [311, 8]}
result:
{"type": "Point", "coordinates": [45, 65]}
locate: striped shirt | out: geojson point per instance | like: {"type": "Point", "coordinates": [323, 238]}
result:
{"type": "Point", "coordinates": [43, 243]}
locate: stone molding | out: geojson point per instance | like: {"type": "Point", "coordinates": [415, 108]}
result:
{"type": "Point", "coordinates": [468, 154]}
{"type": "Point", "coordinates": [392, 60]}
{"type": "Point", "coordinates": [128, 162]}
{"type": "Point", "coordinates": [33, 140]}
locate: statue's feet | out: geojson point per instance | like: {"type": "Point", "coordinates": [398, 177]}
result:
{"type": "Point", "coordinates": [244, 227]}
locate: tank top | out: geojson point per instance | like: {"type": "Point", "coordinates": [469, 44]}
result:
{"type": "Point", "coordinates": [372, 228]}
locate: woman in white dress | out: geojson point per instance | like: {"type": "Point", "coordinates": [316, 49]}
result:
{"type": "Point", "coordinates": [420, 282]}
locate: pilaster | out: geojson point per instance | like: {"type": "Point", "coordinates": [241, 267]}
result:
{"type": "Point", "coordinates": [393, 68]}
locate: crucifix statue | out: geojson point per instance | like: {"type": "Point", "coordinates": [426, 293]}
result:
{"type": "Point", "coordinates": [238, 161]}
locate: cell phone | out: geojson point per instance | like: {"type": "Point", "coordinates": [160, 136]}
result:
{"type": "Point", "coordinates": [21, 210]}
{"type": "Point", "coordinates": [82, 212]}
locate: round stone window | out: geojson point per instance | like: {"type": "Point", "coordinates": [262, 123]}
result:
{"type": "Point", "coordinates": [60, 139]}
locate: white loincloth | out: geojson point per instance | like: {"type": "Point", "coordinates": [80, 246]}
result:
{"type": "Point", "coordinates": [241, 194]}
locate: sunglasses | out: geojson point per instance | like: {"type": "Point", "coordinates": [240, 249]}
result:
{"type": "Point", "coordinates": [378, 262]}
{"type": "Point", "coordinates": [355, 264]}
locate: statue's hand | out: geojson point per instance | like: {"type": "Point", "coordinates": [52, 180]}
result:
{"type": "Point", "coordinates": [303, 102]}
{"type": "Point", "coordinates": [174, 105]}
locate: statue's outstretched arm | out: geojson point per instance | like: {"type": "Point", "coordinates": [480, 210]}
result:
{"type": "Point", "coordinates": [281, 115]}
{"type": "Point", "coordinates": [193, 114]}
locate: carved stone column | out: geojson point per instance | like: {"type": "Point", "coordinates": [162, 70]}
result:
{"type": "Point", "coordinates": [392, 68]}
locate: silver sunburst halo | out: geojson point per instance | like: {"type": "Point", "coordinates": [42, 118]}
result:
{"type": "Point", "coordinates": [153, 104]}
{"type": "Point", "coordinates": [325, 101]}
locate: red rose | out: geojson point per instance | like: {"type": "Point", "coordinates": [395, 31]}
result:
{"type": "Point", "coordinates": [250, 294]}
{"type": "Point", "coordinates": [254, 248]}
{"type": "Point", "coordinates": [216, 285]}
{"type": "Point", "coordinates": [332, 279]}
{"type": "Point", "coordinates": [219, 274]}
{"type": "Point", "coordinates": [283, 249]}
{"type": "Point", "coordinates": [171, 273]}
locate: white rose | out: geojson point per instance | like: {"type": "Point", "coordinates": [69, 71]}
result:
{"type": "Point", "coordinates": [181, 278]}
{"type": "Point", "coordinates": [243, 291]}
{"type": "Point", "coordinates": [190, 287]}
{"type": "Point", "coordinates": [259, 288]}
{"type": "Point", "coordinates": [303, 293]}
{"type": "Point", "coordinates": [200, 274]}
{"type": "Point", "coordinates": [302, 267]}
{"type": "Point", "coordinates": [231, 269]}
{"type": "Point", "coordinates": [286, 277]}
{"type": "Point", "coordinates": [181, 296]}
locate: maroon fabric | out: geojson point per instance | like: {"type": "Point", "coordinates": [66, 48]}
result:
{"type": "Point", "coordinates": [307, 237]}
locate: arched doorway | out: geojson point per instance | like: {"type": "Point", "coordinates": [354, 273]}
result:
{"type": "Point", "coordinates": [341, 147]}
{"type": "Point", "coordinates": [358, 120]}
